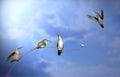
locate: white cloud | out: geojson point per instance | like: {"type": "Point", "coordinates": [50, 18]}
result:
{"type": "Point", "coordinates": [31, 28]}
{"type": "Point", "coordinates": [40, 60]}
{"type": "Point", "coordinates": [70, 39]}
{"type": "Point", "coordinates": [16, 28]}
{"type": "Point", "coordinates": [17, 34]}
{"type": "Point", "coordinates": [73, 70]}
{"type": "Point", "coordinates": [109, 42]}
{"type": "Point", "coordinates": [77, 21]}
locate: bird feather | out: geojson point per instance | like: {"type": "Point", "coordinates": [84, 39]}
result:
{"type": "Point", "coordinates": [93, 18]}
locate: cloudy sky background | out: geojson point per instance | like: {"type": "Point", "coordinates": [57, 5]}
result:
{"type": "Point", "coordinates": [26, 22]}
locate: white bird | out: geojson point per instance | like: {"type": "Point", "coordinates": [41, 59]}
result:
{"type": "Point", "coordinates": [60, 45]}
{"type": "Point", "coordinates": [82, 44]}
{"type": "Point", "coordinates": [14, 55]}
{"type": "Point", "coordinates": [42, 44]}
{"type": "Point", "coordinates": [98, 19]}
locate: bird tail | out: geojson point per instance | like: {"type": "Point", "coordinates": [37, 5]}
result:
{"type": "Point", "coordinates": [102, 25]}
{"type": "Point", "coordinates": [7, 60]}
{"type": "Point", "coordinates": [59, 52]}
{"type": "Point", "coordinates": [14, 61]}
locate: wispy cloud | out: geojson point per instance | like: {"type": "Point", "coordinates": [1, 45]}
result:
{"type": "Point", "coordinates": [36, 23]}
{"type": "Point", "coordinates": [84, 71]}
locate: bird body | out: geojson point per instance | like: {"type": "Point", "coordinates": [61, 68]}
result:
{"type": "Point", "coordinates": [82, 44]}
{"type": "Point", "coordinates": [42, 44]}
{"type": "Point", "coordinates": [14, 55]}
{"type": "Point", "coordinates": [100, 22]}
{"type": "Point", "coordinates": [99, 18]}
{"type": "Point", "coordinates": [60, 45]}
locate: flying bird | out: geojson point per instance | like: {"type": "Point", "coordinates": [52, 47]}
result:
{"type": "Point", "coordinates": [60, 45]}
{"type": "Point", "coordinates": [42, 44]}
{"type": "Point", "coordinates": [14, 55]}
{"type": "Point", "coordinates": [99, 18]}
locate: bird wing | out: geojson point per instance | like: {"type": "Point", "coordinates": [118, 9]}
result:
{"type": "Point", "coordinates": [63, 47]}
{"type": "Point", "coordinates": [10, 56]}
{"type": "Point", "coordinates": [60, 51]}
{"type": "Point", "coordinates": [97, 14]}
{"type": "Point", "coordinates": [93, 18]}
{"type": "Point", "coordinates": [39, 44]}
{"type": "Point", "coordinates": [102, 16]}
{"type": "Point", "coordinates": [57, 45]}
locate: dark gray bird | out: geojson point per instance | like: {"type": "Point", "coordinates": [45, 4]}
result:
{"type": "Point", "coordinates": [42, 44]}
{"type": "Point", "coordinates": [14, 55]}
{"type": "Point", "coordinates": [60, 45]}
{"type": "Point", "coordinates": [99, 18]}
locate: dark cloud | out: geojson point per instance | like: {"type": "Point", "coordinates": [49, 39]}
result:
{"type": "Point", "coordinates": [26, 69]}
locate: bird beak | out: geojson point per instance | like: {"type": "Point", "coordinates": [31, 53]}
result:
{"type": "Point", "coordinates": [57, 34]}
{"type": "Point", "coordinates": [20, 47]}
{"type": "Point", "coordinates": [49, 40]}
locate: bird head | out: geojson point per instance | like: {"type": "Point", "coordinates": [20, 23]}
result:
{"type": "Point", "coordinates": [59, 36]}
{"type": "Point", "coordinates": [19, 48]}
{"type": "Point", "coordinates": [45, 41]}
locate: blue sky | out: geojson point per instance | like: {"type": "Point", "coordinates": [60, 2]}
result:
{"type": "Point", "coordinates": [26, 22]}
